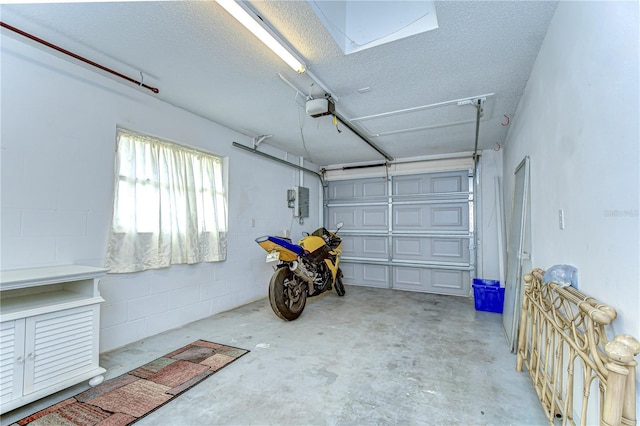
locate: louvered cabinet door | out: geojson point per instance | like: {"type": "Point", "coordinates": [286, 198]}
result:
{"type": "Point", "coordinates": [59, 346]}
{"type": "Point", "coordinates": [11, 360]}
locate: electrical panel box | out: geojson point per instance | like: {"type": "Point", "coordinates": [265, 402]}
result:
{"type": "Point", "coordinates": [301, 208]}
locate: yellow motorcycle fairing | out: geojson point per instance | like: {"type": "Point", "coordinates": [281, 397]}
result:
{"type": "Point", "coordinates": [332, 267]}
{"type": "Point", "coordinates": [312, 243]}
{"type": "Point", "coordinates": [287, 251]}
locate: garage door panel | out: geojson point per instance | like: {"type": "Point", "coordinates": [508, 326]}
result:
{"type": "Point", "coordinates": [454, 183]}
{"type": "Point", "coordinates": [448, 216]}
{"type": "Point", "coordinates": [446, 280]}
{"type": "Point", "coordinates": [368, 275]}
{"type": "Point", "coordinates": [455, 250]}
{"type": "Point", "coordinates": [432, 183]}
{"type": "Point", "coordinates": [360, 218]}
{"type": "Point", "coordinates": [407, 217]}
{"type": "Point", "coordinates": [409, 279]}
{"type": "Point", "coordinates": [356, 190]}
{"type": "Point", "coordinates": [338, 190]}
{"type": "Point", "coordinates": [431, 217]}
{"type": "Point", "coordinates": [376, 188]}
{"type": "Point", "coordinates": [431, 280]}
{"type": "Point", "coordinates": [349, 246]}
{"type": "Point", "coordinates": [376, 247]}
{"type": "Point", "coordinates": [407, 186]}
{"type": "Point", "coordinates": [431, 249]}
{"type": "Point", "coordinates": [374, 218]}
{"type": "Point", "coordinates": [372, 247]}
{"type": "Point", "coordinates": [409, 248]}
{"type": "Point", "coordinates": [376, 273]}
{"type": "Point", "coordinates": [348, 272]}
{"type": "Point", "coordinates": [346, 215]}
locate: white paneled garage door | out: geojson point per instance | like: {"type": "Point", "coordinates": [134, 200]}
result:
{"type": "Point", "coordinates": [408, 232]}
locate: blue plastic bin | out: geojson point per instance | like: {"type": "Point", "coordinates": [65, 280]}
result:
{"type": "Point", "coordinates": [488, 295]}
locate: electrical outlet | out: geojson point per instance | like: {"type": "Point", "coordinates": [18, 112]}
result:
{"type": "Point", "coordinates": [561, 218]}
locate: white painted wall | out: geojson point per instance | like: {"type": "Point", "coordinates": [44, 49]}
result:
{"type": "Point", "coordinates": [57, 156]}
{"type": "Point", "coordinates": [578, 120]}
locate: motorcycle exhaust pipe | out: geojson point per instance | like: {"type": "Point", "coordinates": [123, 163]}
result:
{"type": "Point", "coordinates": [301, 272]}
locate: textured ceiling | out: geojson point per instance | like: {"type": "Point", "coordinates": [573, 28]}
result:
{"type": "Point", "coordinates": [205, 62]}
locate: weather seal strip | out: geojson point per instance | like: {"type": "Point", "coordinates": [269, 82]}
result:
{"type": "Point", "coordinates": [78, 57]}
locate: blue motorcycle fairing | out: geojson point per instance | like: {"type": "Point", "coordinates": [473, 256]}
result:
{"type": "Point", "coordinates": [298, 250]}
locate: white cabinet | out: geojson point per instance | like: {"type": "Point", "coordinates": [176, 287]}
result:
{"type": "Point", "coordinates": [49, 331]}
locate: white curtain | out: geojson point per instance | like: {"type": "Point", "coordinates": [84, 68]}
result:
{"type": "Point", "coordinates": [169, 206]}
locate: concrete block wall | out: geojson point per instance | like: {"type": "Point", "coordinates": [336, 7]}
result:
{"type": "Point", "coordinates": [579, 122]}
{"type": "Point", "coordinates": [57, 157]}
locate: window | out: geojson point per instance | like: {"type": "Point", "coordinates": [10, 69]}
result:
{"type": "Point", "coordinates": [169, 206]}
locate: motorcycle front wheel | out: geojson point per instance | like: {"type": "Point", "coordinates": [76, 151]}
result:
{"type": "Point", "coordinates": [287, 294]}
{"type": "Point", "coordinates": [339, 285]}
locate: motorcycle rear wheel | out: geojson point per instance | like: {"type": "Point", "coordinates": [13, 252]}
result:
{"type": "Point", "coordinates": [287, 295]}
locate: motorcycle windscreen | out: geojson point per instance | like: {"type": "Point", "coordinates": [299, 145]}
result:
{"type": "Point", "coordinates": [288, 251]}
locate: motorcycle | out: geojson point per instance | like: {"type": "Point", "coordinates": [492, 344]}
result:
{"type": "Point", "coordinates": [306, 269]}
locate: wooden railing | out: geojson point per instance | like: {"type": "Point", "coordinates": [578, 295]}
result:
{"type": "Point", "coordinates": [563, 344]}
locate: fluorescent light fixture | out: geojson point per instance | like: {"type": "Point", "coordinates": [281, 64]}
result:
{"type": "Point", "coordinates": [259, 31]}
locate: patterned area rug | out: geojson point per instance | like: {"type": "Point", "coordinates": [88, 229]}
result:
{"type": "Point", "coordinates": [127, 398]}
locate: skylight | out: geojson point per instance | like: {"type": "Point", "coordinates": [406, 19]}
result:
{"type": "Point", "coordinates": [359, 25]}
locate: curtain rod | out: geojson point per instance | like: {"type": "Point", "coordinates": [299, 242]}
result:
{"type": "Point", "coordinates": [78, 57]}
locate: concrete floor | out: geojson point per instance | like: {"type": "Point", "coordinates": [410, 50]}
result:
{"type": "Point", "coordinates": [375, 356]}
